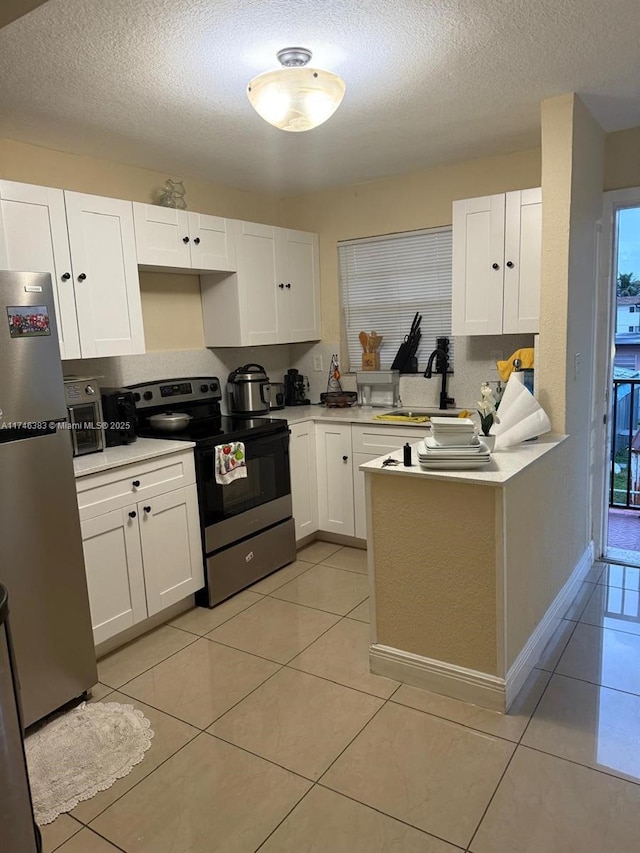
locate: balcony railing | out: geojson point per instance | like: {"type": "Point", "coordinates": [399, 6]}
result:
{"type": "Point", "coordinates": [624, 489]}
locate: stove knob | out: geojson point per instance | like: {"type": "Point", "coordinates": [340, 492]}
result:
{"type": "Point", "coordinates": [204, 388]}
{"type": "Point", "coordinates": [214, 386]}
{"type": "Point", "coordinates": [89, 389]}
{"type": "Point", "coordinates": [136, 397]}
{"type": "Point", "coordinates": [148, 395]}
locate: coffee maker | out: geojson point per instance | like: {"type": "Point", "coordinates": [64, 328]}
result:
{"type": "Point", "coordinates": [296, 388]}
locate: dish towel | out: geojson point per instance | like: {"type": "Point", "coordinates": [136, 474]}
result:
{"type": "Point", "coordinates": [505, 368]}
{"type": "Point", "coordinates": [230, 462]}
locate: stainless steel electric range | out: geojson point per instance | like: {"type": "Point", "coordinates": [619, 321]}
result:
{"type": "Point", "coordinates": [247, 528]}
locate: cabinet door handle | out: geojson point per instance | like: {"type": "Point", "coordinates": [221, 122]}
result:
{"type": "Point", "coordinates": [281, 286]}
{"type": "Point", "coordinates": [185, 239]}
{"type": "Point", "coordinates": [288, 286]}
{"type": "Point", "coordinates": [345, 458]}
{"type": "Point", "coordinates": [146, 508]}
{"type": "Point", "coordinates": [135, 484]}
{"type": "Point", "coordinates": [496, 266]}
{"type": "Point", "coordinates": [82, 276]}
{"type": "Point", "coordinates": [196, 240]}
{"type": "Point", "coordinates": [65, 276]}
{"type": "Point", "coordinates": [132, 514]}
{"type": "Point", "coordinates": [510, 264]}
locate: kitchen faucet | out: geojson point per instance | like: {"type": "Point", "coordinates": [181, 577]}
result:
{"type": "Point", "coordinates": [441, 353]}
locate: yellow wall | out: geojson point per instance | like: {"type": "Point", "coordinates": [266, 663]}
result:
{"type": "Point", "coordinates": [35, 165]}
{"type": "Point", "coordinates": [557, 136]}
{"type": "Point", "coordinates": [170, 303]}
{"type": "Point", "coordinates": [572, 178]}
{"type": "Point", "coordinates": [622, 159]}
{"type": "Point", "coordinates": [435, 577]}
{"type": "Point", "coordinates": [401, 203]}
{"type": "Point", "coordinates": [172, 311]}
{"type": "Point", "coordinates": [10, 10]}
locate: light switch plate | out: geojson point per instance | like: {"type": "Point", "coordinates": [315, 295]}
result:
{"type": "Point", "coordinates": [317, 363]}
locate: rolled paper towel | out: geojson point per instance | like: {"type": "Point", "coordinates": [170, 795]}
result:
{"type": "Point", "coordinates": [521, 416]}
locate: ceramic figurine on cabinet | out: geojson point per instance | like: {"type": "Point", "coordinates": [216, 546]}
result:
{"type": "Point", "coordinates": [172, 195]}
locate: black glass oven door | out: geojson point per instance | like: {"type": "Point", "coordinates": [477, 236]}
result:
{"type": "Point", "coordinates": [267, 479]}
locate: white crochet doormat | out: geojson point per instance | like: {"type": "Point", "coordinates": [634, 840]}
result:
{"type": "Point", "coordinates": [82, 752]}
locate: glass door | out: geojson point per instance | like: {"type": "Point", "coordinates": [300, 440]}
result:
{"type": "Point", "coordinates": [623, 517]}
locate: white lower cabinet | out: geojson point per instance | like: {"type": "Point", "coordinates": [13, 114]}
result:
{"type": "Point", "coordinates": [327, 486]}
{"type": "Point", "coordinates": [113, 563]}
{"type": "Point", "coordinates": [140, 555]}
{"type": "Point", "coordinates": [171, 549]}
{"type": "Point", "coordinates": [335, 478]}
{"type": "Point", "coordinates": [304, 480]}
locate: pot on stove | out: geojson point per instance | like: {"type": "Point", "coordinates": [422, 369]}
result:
{"type": "Point", "coordinates": [249, 390]}
{"type": "Point", "coordinates": [170, 421]}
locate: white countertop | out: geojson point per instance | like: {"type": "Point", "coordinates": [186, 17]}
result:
{"type": "Point", "coordinates": [114, 457]}
{"type": "Point", "coordinates": [505, 464]}
{"type": "Point", "coordinates": [347, 415]}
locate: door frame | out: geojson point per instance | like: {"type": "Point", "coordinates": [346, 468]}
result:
{"type": "Point", "coordinates": [604, 351]}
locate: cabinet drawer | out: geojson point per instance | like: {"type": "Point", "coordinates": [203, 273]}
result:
{"type": "Point", "coordinates": [376, 440]}
{"type": "Point", "coordinates": [110, 490]}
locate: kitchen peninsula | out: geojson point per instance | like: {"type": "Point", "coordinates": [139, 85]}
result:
{"type": "Point", "coordinates": [462, 585]}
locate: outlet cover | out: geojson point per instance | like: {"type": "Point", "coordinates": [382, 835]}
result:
{"type": "Point", "coordinates": [317, 363]}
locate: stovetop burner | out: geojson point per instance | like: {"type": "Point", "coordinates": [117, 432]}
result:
{"type": "Point", "coordinates": [216, 430]}
{"type": "Point", "coordinates": [200, 398]}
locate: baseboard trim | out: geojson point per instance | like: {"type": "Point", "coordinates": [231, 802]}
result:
{"type": "Point", "coordinates": [533, 648]}
{"type": "Point", "coordinates": [341, 539]}
{"type": "Point", "coordinates": [469, 685]}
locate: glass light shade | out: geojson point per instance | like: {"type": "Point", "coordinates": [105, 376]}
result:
{"type": "Point", "coordinates": [296, 99]}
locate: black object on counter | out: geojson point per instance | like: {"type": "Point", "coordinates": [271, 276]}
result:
{"type": "Point", "coordinates": [441, 357]}
{"type": "Point", "coordinates": [296, 388]}
{"type": "Point", "coordinates": [407, 455]}
{"type": "Point", "coordinates": [405, 360]}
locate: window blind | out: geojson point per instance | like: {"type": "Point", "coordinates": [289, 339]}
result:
{"type": "Point", "coordinates": [385, 280]}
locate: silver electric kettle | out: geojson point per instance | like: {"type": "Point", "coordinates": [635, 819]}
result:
{"type": "Point", "coordinates": [248, 390]}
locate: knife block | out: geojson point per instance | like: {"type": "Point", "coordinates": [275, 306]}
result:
{"type": "Point", "coordinates": [371, 361]}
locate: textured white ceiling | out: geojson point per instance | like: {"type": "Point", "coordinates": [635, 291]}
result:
{"type": "Point", "coordinates": [161, 83]}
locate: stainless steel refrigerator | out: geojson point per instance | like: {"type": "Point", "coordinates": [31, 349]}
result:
{"type": "Point", "coordinates": [41, 559]}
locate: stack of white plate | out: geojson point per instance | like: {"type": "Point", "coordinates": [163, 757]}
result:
{"type": "Point", "coordinates": [453, 444]}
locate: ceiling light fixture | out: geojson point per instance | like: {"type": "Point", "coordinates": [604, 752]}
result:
{"type": "Point", "coordinates": [296, 97]}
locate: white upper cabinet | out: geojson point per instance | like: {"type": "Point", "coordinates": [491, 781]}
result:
{"type": "Point", "coordinates": [275, 296]}
{"type": "Point", "coordinates": [497, 263]}
{"type": "Point", "coordinates": [298, 271]}
{"type": "Point", "coordinates": [87, 244]}
{"type": "Point", "coordinates": [180, 239]}
{"type": "Point", "coordinates": [33, 238]}
{"type": "Point", "coordinates": [523, 261]}
{"type": "Point", "coordinates": [103, 251]}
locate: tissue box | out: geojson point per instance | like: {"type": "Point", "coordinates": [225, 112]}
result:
{"type": "Point", "coordinates": [371, 361]}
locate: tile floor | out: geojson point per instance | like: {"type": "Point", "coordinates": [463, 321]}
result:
{"type": "Point", "coordinates": [272, 734]}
